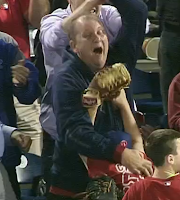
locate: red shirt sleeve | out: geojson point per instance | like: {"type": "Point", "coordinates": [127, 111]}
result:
{"type": "Point", "coordinates": [174, 104]}
{"type": "Point", "coordinates": [24, 4]}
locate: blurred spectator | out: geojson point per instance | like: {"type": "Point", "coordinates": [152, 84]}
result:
{"type": "Point", "coordinates": [174, 104]}
{"type": "Point", "coordinates": [39, 57]}
{"type": "Point", "coordinates": [16, 15]}
{"type": "Point", "coordinates": [24, 86]}
{"type": "Point", "coordinates": [15, 18]}
{"type": "Point", "coordinates": [10, 136]}
{"type": "Point", "coordinates": [169, 49]}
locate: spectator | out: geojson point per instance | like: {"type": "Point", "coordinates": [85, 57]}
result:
{"type": "Point", "coordinates": [163, 148]}
{"type": "Point", "coordinates": [53, 48]}
{"type": "Point", "coordinates": [8, 136]}
{"type": "Point", "coordinates": [24, 86]}
{"type": "Point", "coordinates": [169, 49]}
{"type": "Point", "coordinates": [174, 104]}
{"type": "Point", "coordinates": [15, 16]}
{"type": "Point", "coordinates": [76, 134]}
{"type": "Point", "coordinates": [39, 57]}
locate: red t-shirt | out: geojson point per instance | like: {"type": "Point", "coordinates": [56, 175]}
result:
{"type": "Point", "coordinates": [155, 189]}
{"type": "Point", "coordinates": [12, 22]}
{"type": "Point", "coordinates": [123, 178]}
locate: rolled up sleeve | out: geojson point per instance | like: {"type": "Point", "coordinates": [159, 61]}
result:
{"type": "Point", "coordinates": [52, 35]}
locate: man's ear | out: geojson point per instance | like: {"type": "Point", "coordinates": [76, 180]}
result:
{"type": "Point", "coordinates": [170, 159]}
{"type": "Point", "coordinates": [73, 46]}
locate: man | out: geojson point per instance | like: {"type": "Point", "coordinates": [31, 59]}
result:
{"type": "Point", "coordinates": [76, 134]}
{"type": "Point", "coordinates": [169, 49]}
{"type": "Point", "coordinates": [163, 148]}
{"type": "Point", "coordinates": [18, 77]}
{"type": "Point", "coordinates": [57, 23]}
{"type": "Point", "coordinates": [53, 48]}
{"type": "Point", "coordinates": [9, 136]}
{"type": "Point", "coordinates": [174, 104]}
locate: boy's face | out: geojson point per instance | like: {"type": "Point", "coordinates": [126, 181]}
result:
{"type": "Point", "coordinates": [177, 156]}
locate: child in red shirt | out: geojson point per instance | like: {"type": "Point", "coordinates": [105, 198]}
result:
{"type": "Point", "coordinates": [163, 147]}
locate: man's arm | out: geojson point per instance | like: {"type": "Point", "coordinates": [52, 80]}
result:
{"type": "Point", "coordinates": [6, 131]}
{"type": "Point", "coordinates": [34, 10]}
{"type": "Point", "coordinates": [37, 10]}
{"type": "Point", "coordinates": [74, 125]}
{"type": "Point", "coordinates": [131, 36]}
{"type": "Point", "coordinates": [76, 131]}
{"type": "Point", "coordinates": [13, 137]}
{"type": "Point", "coordinates": [54, 27]}
{"type": "Point", "coordinates": [174, 104]}
{"type": "Point", "coordinates": [29, 91]}
{"type": "Point", "coordinates": [52, 35]}
{"type": "Point", "coordinates": [129, 122]}
{"type": "Point", "coordinates": [83, 9]}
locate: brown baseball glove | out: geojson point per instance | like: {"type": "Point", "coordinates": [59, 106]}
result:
{"type": "Point", "coordinates": [106, 84]}
{"type": "Point", "coordinates": [103, 188]}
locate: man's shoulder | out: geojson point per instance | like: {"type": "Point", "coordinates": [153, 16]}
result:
{"type": "Point", "coordinates": [61, 12]}
{"type": "Point", "coordinates": [108, 11]}
{"type": "Point", "coordinates": [108, 8]}
{"type": "Point", "coordinates": [177, 78]}
{"type": "Point", "coordinates": [175, 84]}
{"type": "Point", "coordinates": [67, 73]}
{"type": "Point", "coordinates": [6, 39]}
{"type": "Point", "coordinates": [111, 20]}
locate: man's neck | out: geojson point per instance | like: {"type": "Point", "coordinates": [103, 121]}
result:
{"type": "Point", "coordinates": [164, 172]}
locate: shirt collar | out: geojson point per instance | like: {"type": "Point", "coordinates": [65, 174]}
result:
{"type": "Point", "coordinates": [80, 65]}
{"type": "Point", "coordinates": [68, 9]}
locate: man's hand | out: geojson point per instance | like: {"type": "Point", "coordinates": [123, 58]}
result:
{"type": "Point", "coordinates": [134, 161]}
{"type": "Point", "coordinates": [22, 141]}
{"type": "Point", "coordinates": [20, 73]}
{"type": "Point", "coordinates": [121, 100]}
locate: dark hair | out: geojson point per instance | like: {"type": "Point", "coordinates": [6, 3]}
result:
{"type": "Point", "coordinates": [160, 144]}
{"type": "Point", "coordinates": [74, 28]}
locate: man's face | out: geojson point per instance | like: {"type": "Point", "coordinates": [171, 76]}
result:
{"type": "Point", "coordinates": [91, 44]}
{"type": "Point", "coordinates": [177, 157]}
{"type": "Point", "coordinates": [76, 3]}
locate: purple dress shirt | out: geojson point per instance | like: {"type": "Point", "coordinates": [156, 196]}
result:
{"type": "Point", "coordinates": [54, 40]}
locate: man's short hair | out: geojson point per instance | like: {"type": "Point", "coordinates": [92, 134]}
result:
{"type": "Point", "coordinates": [160, 144]}
{"type": "Point", "coordinates": [74, 25]}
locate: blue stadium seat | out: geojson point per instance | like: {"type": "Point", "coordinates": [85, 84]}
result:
{"type": "Point", "coordinates": [146, 90]}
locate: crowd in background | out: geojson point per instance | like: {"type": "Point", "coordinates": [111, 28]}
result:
{"type": "Point", "coordinates": [41, 110]}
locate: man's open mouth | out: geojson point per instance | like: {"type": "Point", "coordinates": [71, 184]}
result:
{"type": "Point", "coordinates": [98, 50]}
